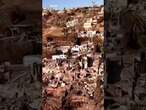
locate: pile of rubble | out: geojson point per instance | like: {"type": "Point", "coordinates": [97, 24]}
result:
{"type": "Point", "coordinates": [72, 72]}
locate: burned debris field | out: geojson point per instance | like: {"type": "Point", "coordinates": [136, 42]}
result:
{"type": "Point", "coordinates": [72, 72]}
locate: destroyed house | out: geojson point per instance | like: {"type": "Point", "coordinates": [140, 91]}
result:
{"type": "Point", "coordinates": [82, 34]}
{"type": "Point", "coordinates": [91, 34]}
{"type": "Point", "coordinates": [101, 12]}
{"type": "Point", "coordinates": [75, 48]}
{"type": "Point", "coordinates": [56, 57]}
{"type": "Point", "coordinates": [71, 23]}
{"type": "Point", "coordinates": [87, 26]}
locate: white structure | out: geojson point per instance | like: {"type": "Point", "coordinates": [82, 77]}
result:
{"type": "Point", "coordinates": [45, 12]}
{"type": "Point", "coordinates": [85, 62]}
{"type": "Point", "coordinates": [64, 49]}
{"type": "Point", "coordinates": [91, 34]}
{"type": "Point", "coordinates": [94, 21]}
{"type": "Point", "coordinates": [101, 35]}
{"type": "Point", "coordinates": [87, 26]}
{"type": "Point", "coordinates": [55, 57]}
{"type": "Point", "coordinates": [87, 34]}
{"type": "Point", "coordinates": [72, 23]}
{"type": "Point", "coordinates": [76, 48]}
{"type": "Point", "coordinates": [60, 11]}
{"type": "Point", "coordinates": [89, 20]}
{"type": "Point", "coordinates": [101, 11]}
{"type": "Point", "coordinates": [82, 34]}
